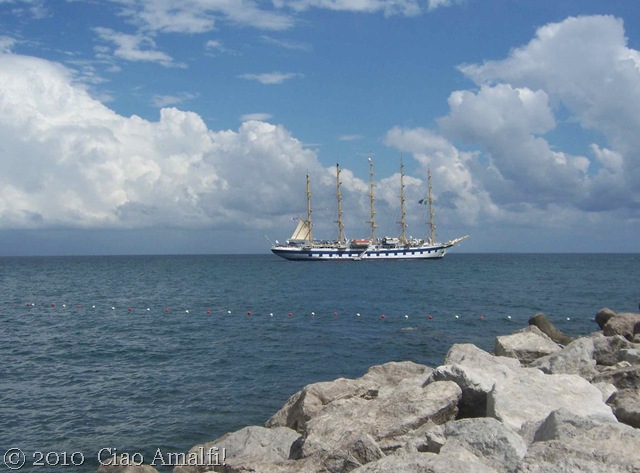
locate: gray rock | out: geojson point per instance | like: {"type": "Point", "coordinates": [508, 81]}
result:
{"type": "Point", "coordinates": [526, 345]}
{"type": "Point", "coordinates": [575, 358]}
{"type": "Point", "coordinates": [475, 371]}
{"type": "Point", "coordinates": [494, 443]}
{"type": "Point", "coordinates": [546, 327]}
{"type": "Point", "coordinates": [531, 395]}
{"type": "Point", "coordinates": [312, 399]}
{"type": "Point", "coordinates": [622, 376]}
{"type": "Point", "coordinates": [585, 446]}
{"type": "Point", "coordinates": [563, 424]}
{"type": "Point", "coordinates": [111, 468]}
{"type": "Point", "coordinates": [458, 462]}
{"type": "Point", "coordinates": [243, 448]}
{"type": "Point", "coordinates": [608, 390]}
{"type": "Point", "coordinates": [606, 349]}
{"type": "Point", "coordinates": [626, 406]}
{"type": "Point", "coordinates": [393, 414]}
{"type": "Point", "coordinates": [625, 324]}
{"type": "Point", "coordinates": [632, 355]}
{"type": "Point", "coordinates": [603, 316]}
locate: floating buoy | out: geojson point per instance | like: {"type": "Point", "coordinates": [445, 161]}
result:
{"type": "Point", "coordinates": [63, 305]}
{"type": "Point", "coordinates": [482, 317]}
{"type": "Point", "coordinates": [271, 314]}
{"type": "Point", "coordinates": [93, 306]}
{"type": "Point", "coordinates": [290, 314]}
{"type": "Point", "coordinates": [335, 314]}
{"type": "Point", "coordinates": [53, 305]}
{"type": "Point", "coordinates": [166, 310]}
{"type": "Point", "coordinates": [358, 314]}
{"type": "Point", "coordinates": [186, 311]}
{"type": "Point", "coordinates": [148, 310]}
{"type": "Point", "coordinates": [509, 317]}
{"type": "Point", "coordinates": [406, 316]}
{"type": "Point", "coordinates": [249, 312]}
{"type": "Point", "coordinates": [130, 309]}
{"type": "Point", "coordinates": [382, 316]}
{"type": "Point", "coordinates": [430, 317]}
{"type": "Point", "coordinates": [457, 317]}
{"type": "Point", "coordinates": [313, 313]}
{"type": "Point", "coordinates": [228, 312]}
{"type": "Point", "coordinates": [568, 318]}
{"type": "Point", "coordinates": [113, 308]}
{"type": "Point", "coordinates": [208, 311]}
{"type": "Point", "coordinates": [78, 306]}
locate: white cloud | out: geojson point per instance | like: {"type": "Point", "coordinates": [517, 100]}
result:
{"type": "Point", "coordinates": [200, 16]}
{"type": "Point", "coordinates": [133, 47]}
{"type": "Point", "coordinates": [388, 7]}
{"type": "Point", "coordinates": [161, 101]}
{"type": "Point", "coordinates": [69, 161]}
{"type": "Point", "coordinates": [256, 117]}
{"type": "Point", "coordinates": [271, 78]}
{"type": "Point", "coordinates": [6, 44]}
{"type": "Point", "coordinates": [514, 171]}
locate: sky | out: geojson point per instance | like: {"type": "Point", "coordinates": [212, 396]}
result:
{"type": "Point", "coordinates": [188, 126]}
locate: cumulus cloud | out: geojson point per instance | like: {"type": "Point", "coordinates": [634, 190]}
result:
{"type": "Point", "coordinates": [130, 47]}
{"type": "Point", "coordinates": [579, 72]}
{"type": "Point", "coordinates": [69, 161]}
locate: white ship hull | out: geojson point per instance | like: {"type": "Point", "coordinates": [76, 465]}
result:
{"type": "Point", "coordinates": [357, 254]}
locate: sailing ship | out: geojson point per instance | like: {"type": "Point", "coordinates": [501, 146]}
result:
{"type": "Point", "coordinates": [303, 247]}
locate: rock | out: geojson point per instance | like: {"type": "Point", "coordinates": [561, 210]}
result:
{"type": "Point", "coordinates": [312, 399]}
{"type": "Point", "coordinates": [126, 469]}
{"type": "Point", "coordinates": [531, 395]}
{"type": "Point", "coordinates": [488, 439]}
{"type": "Point", "coordinates": [608, 390]}
{"type": "Point", "coordinates": [546, 327]}
{"type": "Point", "coordinates": [526, 345]}
{"type": "Point", "coordinates": [243, 448]}
{"type": "Point", "coordinates": [632, 355]}
{"type": "Point", "coordinates": [426, 463]}
{"type": "Point", "coordinates": [626, 406]}
{"type": "Point", "coordinates": [475, 371]}
{"type": "Point", "coordinates": [592, 445]}
{"type": "Point", "coordinates": [393, 414]}
{"type": "Point", "coordinates": [575, 358]}
{"type": "Point", "coordinates": [622, 376]}
{"type": "Point", "coordinates": [625, 324]}
{"type": "Point", "coordinates": [606, 349]}
{"type": "Point", "coordinates": [362, 450]}
{"type": "Point", "coordinates": [603, 316]}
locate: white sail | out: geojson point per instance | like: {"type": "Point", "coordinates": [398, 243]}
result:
{"type": "Point", "coordinates": [302, 231]}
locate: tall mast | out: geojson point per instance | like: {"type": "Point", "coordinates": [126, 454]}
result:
{"type": "Point", "coordinates": [371, 199]}
{"type": "Point", "coordinates": [309, 208]}
{"type": "Point", "coordinates": [403, 225]}
{"type": "Point", "coordinates": [432, 225]}
{"type": "Point", "coordinates": [339, 221]}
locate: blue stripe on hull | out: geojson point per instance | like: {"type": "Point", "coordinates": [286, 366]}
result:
{"type": "Point", "coordinates": [350, 255]}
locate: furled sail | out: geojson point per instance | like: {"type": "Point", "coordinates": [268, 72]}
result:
{"type": "Point", "coordinates": [302, 231]}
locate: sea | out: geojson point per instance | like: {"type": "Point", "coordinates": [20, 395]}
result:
{"type": "Point", "coordinates": [139, 355]}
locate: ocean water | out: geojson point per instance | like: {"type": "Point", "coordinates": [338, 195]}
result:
{"type": "Point", "coordinates": [139, 354]}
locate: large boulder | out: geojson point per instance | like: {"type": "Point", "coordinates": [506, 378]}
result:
{"type": "Point", "coordinates": [526, 345]}
{"type": "Point", "coordinates": [393, 414]}
{"type": "Point", "coordinates": [546, 327]}
{"type": "Point", "coordinates": [575, 358]}
{"type": "Point", "coordinates": [603, 316]}
{"type": "Point", "coordinates": [592, 444]}
{"type": "Point", "coordinates": [314, 398]}
{"type": "Point", "coordinates": [494, 443]}
{"type": "Point", "coordinates": [606, 350]}
{"type": "Point", "coordinates": [427, 463]}
{"type": "Point", "coordinates": [625, 324]}
{"type": "Point", "coordinates": [530, 396]}
{"type": "Point", "coordinates": [626, 406]}
{"type": "Point", "coordinates": [475, 371]}
{"type": "Point", "coordinates": [248, 446]}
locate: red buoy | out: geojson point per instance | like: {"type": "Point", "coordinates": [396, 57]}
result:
{"type": "Point", "coordinates": [430, 317]}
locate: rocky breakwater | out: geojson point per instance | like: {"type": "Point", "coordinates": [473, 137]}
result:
{"type": "Point", "coordinates": [541, 403]}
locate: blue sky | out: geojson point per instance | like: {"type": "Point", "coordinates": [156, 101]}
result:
{"type": "Point", "coordinates": [187, 126]}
